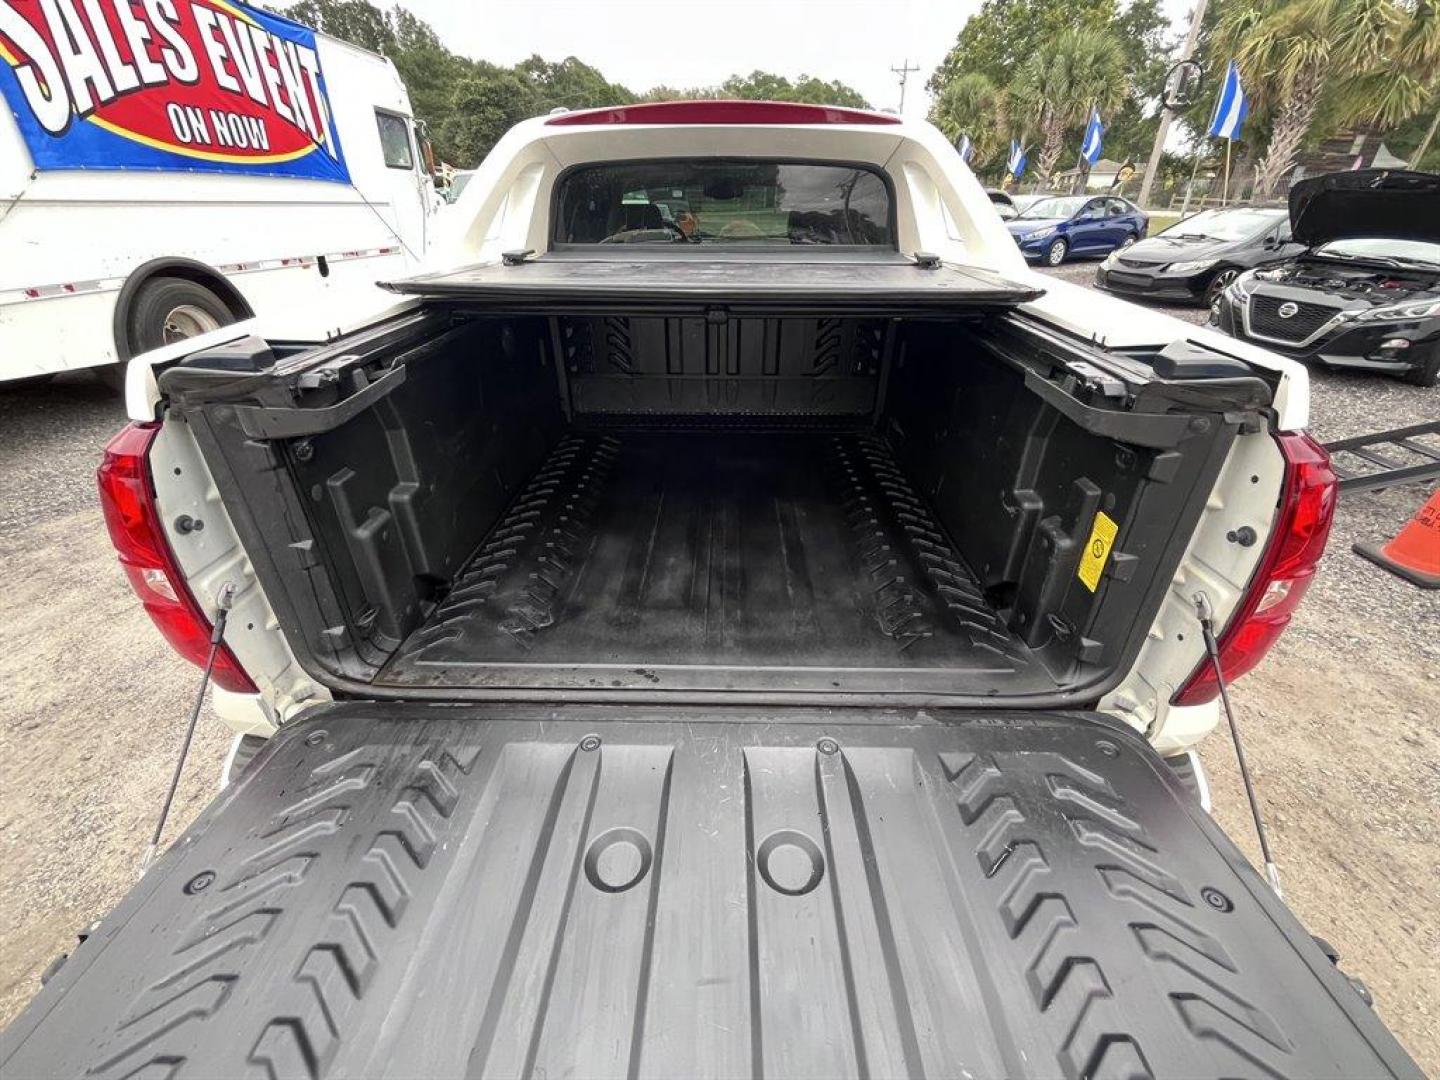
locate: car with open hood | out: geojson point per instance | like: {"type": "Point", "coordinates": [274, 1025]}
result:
{"type": "Point", "coordinates": [1054, 228]}
{"type": "Point", "coordinates": [1195, 259]}
{"type": "Point", "coordinates": [1366, 292]}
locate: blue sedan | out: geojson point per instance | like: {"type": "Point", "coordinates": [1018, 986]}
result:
{"type": "Point", "coordinates": [1058, 226]}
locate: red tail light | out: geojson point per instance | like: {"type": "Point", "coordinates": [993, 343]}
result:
{"type": "Point", "coordinates": [127, 496]}
{"type": "Point", "coordinates": [722, 112]}
{"type": "Point", "coordinates": [1307, 508]}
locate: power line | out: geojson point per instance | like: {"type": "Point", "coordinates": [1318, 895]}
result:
{"type": "Point", "coordinates": [904, 72]}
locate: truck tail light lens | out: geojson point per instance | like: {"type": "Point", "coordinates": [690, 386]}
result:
{"type": "Point", "coordinates": [721, 112]}
{"type": "Point", "coordinates": [127, 496]}
{"type": "Point", "coordinates": [1307, 508]}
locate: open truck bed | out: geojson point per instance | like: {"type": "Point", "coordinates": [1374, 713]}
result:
{"type": "Point", "coordinates": [410, 890]}
{"type": "Point", "coordinates": [703, 551]}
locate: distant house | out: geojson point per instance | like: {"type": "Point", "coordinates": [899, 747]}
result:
{"type": "Point", "coordinates": [1102, 175]}
{"type": "Point", "coordinates": [1356, 149]}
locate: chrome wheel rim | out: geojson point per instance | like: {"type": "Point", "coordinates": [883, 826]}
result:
{"type": "Point", "coordinates": [186, 321]}
{"type": "Point", "coordinates": [1218, 284]}
{"type": "Point", "coordinates": [1057, 253]}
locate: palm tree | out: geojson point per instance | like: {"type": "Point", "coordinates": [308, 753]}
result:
{"type": "Point", "coordinates": [1379, 57]}
{"type": "Point", "coordinates": [1065, 78]}
{"type": "Point", "coordinates": [972, 105]}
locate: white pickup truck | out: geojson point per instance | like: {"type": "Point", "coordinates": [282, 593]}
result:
{"type": "Point", "coordinates": [730, 618]}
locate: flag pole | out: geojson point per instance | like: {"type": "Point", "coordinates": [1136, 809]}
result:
{"type": "Point", "coordinates": [1225, 189]}
{"type": "Point", "coordinates": [1190, 187]}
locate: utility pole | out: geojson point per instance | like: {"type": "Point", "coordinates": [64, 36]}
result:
{"type": "Point", "coordinates": [904, 71]}
{"type": "Point", "coordinates": [1187, 52]}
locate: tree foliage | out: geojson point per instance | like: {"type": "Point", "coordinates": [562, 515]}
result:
{"type": "Point", "coordinates": [1341, 62]}
{"type": "Point", "coordinates": [1066, 77]}
{"type": "Point", "coordinates": [1032, 69]}
{"type": "Point", "coordinates": [765, 86]}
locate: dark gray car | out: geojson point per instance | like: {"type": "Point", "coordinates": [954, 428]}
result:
{"type": "Point", "coordinates": [1193, 260]}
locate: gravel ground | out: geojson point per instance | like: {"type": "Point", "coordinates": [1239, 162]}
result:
{"type": "Point", "coordinates": [1342, 720]}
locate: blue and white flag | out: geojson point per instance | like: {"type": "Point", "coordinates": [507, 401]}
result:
{"type": "Point", "coordinates": [1090, 148]}
{"type": "Point", "coordinates": [1232, 107]}
{"type": "Point", "coordinates": [965, 148]}
{"type": "Point", "coordinates": [1015, 166]}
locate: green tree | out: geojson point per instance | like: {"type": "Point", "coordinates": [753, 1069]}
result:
{"type": "Point", "coordinates": [1375, 60]}
{"type": "Point", "coordinates": [484, 106]}
{"type": "Point", "coordinates": [1143, 30]}
{"type": "Point", "coordinates": [767, 86]}
{"type": "Point", "coordinates": [675, 93]}
{"type": "Point", "coordinates": [972, 105]}
{"type": "Point", "coordinates": [429, 70]}
{"type": "Point", "coordinates": [1004, 34]}
{"type": "Point", "coordinates": [1065, 78]}
{"type": "Point", "coordinates": [355, 21]}
{"type": "Point", "coordinates": [570, 84]}
{"type": "Point", "coordinates": [994, 69]}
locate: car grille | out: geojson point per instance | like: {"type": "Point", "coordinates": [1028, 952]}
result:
{"type": "Point", "coordinates": [1135, 262]}
{"type": "Point", "coordinates": [1265, 318]}
{"type": "Point", "coordinates": [1139, 281]}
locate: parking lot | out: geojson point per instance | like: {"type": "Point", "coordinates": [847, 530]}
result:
{"type": "Point", "coordinates": [1342, 720]}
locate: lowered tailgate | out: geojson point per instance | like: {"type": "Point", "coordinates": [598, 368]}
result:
{"type": "Point", "coordinates": [438, 891]}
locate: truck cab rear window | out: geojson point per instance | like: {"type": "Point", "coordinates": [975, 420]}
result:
{"type": "Point", "coordinates": [723, 202]}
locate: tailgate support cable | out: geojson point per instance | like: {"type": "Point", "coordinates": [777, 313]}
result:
{"type": "Point", "coordinates": [1212, 648]}
{"type": "Point", "coordinates": [223, 601]}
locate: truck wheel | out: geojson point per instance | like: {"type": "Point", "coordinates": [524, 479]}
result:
{"type": "Point", "coordinates": [1055, 253]}
{"type": "Point", "coordinates": [163, 311]}
{"type": "Point", "coordinates": [170, 309]}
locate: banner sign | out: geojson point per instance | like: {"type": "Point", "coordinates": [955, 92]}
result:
{"type": "Point", "coordinates": [180, 85]}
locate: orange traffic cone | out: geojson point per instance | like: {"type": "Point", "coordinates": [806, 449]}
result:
{"type": "Point", "coordinates": [1414, 554]}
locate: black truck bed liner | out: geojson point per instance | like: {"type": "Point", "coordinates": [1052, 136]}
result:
{"type": "Point", "coordinates": [443, 891]}
{"type": "Point", "coordinates": [688, 553]}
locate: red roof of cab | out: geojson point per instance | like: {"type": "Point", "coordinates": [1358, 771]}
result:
{"type": "Point", "coordinates": [722, 112]}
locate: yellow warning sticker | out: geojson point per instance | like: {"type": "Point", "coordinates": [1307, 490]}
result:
{"type": "Point", "coordinates": [1097, 550]}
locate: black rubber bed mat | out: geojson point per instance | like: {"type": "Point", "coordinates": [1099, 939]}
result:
{"type": "Point", "coordinates": [705, 559]}
{"type": "Point", "coordinates": [435, 891]}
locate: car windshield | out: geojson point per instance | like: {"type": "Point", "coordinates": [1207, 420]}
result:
{"type": "Point", "coordinates": [457, 186]}
{"type": "Point", "coordinates": [1238, 224]}
{"type": "Point", "coordinates": [1386, 250]}
{"type": "Point", "coordinates": [723, 202]}
{"type": "Point", "coordinates": [1060, 206]}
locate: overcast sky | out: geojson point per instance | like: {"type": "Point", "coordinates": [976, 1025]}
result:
{"type": "Point", "coordinates": [644, 43]}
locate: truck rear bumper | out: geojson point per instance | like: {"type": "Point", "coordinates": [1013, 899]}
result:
{"type": "Point", "coordinates": [441, 891]}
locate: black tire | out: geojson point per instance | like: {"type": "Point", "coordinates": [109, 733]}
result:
{"type": "Point", "coordinates": [1222, 278]}
{"type": "Point", "coordinates": [1056, 252]}
{"type": "Point", "coordinates": [149, 322]}
{"type": "Point", "coordinates": [1428, 373]}
{"type": "Point", "coordinates": [168, 309]}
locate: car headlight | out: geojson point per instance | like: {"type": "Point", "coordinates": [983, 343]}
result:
{"type": "Point", "coordinates": [1192, 267]}
{"type": "Point", "coordinates": [1423, 309]}
{"type": "Point", "coordinates": [1040, 234]}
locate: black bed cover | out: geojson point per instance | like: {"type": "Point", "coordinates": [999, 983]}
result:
{"type": "Point", "coordinates": [419, 891]}
{"type": "Point", "coordinates": [887, 283]}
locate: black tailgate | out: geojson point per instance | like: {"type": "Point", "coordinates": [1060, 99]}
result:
{"type": "Point", "coordinates": [431, 891]}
